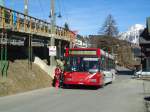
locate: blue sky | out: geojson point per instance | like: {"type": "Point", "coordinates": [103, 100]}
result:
{"type": "Point", "coordinates": [87, 16]}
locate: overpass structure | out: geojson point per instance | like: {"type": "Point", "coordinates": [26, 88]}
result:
{"type": "Point", "coordinates": [30, 34]}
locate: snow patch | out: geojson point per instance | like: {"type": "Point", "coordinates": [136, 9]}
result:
{"type": "Point", "coordinates": [133, 34]}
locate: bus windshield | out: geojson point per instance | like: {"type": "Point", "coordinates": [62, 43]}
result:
{"type": "Point", "coordinates": [82, 64]}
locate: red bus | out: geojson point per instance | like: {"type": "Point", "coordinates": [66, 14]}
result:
{"type": "Point", "coordinates": [87, 66]}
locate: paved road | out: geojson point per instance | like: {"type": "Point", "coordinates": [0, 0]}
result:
{"type": "Point", "coordinates": [124, 95]}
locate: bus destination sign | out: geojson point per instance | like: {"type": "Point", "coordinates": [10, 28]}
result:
{"type": "Point", "coordinates": [83, 52]}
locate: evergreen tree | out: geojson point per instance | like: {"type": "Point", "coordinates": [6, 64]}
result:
{"type": "Point", "coordinates": [109, 27]}
{"type": "Point", "coordinates": [66, 26]}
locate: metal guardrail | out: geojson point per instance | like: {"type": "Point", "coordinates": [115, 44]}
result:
{"type": "Point", "coordinates": [19, 22]}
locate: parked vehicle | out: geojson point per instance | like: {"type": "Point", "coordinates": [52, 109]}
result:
{"type": "Point", "coordinates": [142, 73]}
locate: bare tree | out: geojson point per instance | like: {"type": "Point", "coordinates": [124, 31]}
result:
{"type": "Point", "coordinates": [109, 27]}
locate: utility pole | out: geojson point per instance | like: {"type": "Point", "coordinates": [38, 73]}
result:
{"type": "Point", "coordinates": [52, 15]}
{"type": "Point", "coordinates": [29, 49]}
{"type": "Point", "coordinates": [26, 7]}
{"type": "Point", "coordinates": [53, 20]}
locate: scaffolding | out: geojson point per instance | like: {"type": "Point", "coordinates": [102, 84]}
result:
{"type": "Point", "coordinates": [21, 24]}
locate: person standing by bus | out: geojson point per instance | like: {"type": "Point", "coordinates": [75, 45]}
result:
{"type": "Point", "coordinates": [58, 78]}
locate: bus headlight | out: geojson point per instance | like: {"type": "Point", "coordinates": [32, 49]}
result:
{"type": "Point", "coordinates": [92, 80]}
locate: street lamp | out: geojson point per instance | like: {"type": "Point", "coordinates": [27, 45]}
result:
{"type": "Point", "coordinates": [56, 14]}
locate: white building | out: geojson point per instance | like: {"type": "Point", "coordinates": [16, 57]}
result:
{"type": "Point", "coordinates": [81, 43]}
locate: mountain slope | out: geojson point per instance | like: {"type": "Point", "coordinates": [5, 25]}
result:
{"type": "Point", "coordinates": [133, 33]}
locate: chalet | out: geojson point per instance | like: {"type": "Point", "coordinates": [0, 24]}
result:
{"type": "Point", "coordinates": [145, 46]}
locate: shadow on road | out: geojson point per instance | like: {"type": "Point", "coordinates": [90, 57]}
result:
{"type": "Point", "coordinates": [147, 103]}
{"type": "Point", "coordinates": [125, 72]}
{"type": "Point", "coordinates": [82, 87]}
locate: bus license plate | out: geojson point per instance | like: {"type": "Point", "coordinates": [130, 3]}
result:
{"type": "Point", "coordinates": [80, 83]}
